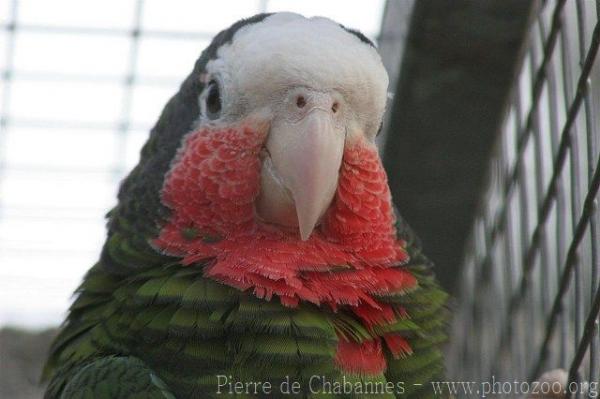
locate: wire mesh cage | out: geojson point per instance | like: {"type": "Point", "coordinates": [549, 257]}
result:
{"type": "Point", "coordinates": [530, 294]}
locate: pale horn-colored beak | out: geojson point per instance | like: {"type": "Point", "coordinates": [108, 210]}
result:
{"type": "Point", "coordinates": [305, 158]}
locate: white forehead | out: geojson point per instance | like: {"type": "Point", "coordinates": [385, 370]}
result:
{"type": "Point", "coordinates": [287, 49]}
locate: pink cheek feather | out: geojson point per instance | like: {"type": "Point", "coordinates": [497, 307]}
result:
{"type": "Point", "coordinates": [211, 189]}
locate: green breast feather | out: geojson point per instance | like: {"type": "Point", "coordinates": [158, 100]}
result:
{"type": "Point", "coordinates": [167, 331]}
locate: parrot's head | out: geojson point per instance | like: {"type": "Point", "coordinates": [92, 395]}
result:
{"type": "Point", "coordinates": [270, 143]}
{"type": "Point", "coordinates": [317, 88]}
{"type": "Point", "coordinates": [263, 168]}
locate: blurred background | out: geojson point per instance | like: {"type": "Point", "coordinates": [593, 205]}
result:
{"type": "Point", "coordinates": [490, 143]}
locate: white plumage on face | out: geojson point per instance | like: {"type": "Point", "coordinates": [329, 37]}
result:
{"type": "Point", "coordinates": [286, 51]}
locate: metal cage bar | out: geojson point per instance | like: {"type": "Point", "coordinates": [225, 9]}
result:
{"type": "Point", "coordinates": [530, 296]}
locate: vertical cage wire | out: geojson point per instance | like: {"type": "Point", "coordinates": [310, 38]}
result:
{"type": "Point", "coordinates": [530, 294]}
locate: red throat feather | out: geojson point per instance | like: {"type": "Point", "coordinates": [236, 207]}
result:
{"type": "Point", "coordinates": [349, 259]}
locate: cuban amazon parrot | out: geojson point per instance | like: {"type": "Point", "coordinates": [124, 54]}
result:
{"type": "Point", "coordinates": [256, 243]}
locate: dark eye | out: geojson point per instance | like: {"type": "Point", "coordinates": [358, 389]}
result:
{"type": "Point", "coordinates": [213, 100]}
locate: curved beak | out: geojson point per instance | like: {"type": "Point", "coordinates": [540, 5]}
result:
{"type": "Point", "coordinates": [306, 156]}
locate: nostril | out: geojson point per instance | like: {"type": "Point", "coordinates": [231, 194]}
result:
{"type": "Point", "coordinates": [335, 107]}
{"type": "Point", "coordinates": [300, 101]}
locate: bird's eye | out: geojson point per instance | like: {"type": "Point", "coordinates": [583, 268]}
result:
{"type": "Point", "coordinates": [213, 100]}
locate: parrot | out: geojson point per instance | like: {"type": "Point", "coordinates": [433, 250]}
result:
{"type": "Point", "coordinates": [254, 250]}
